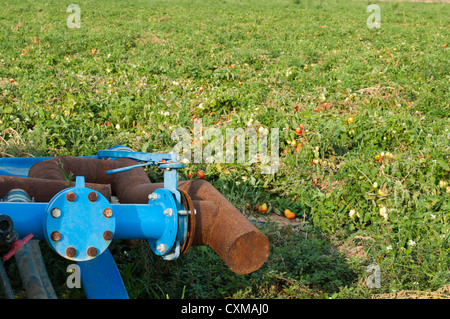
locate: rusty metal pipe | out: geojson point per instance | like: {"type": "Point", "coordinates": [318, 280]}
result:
{"type": "Point", "coordinates": [93, 170]}
{"type": "Point", "coordinates": [223, 228]}
{"type": "Point", "coordinates": [219, 224]}
{"type": "Point", "coordinates": [60, 167]}
{"type": "Point", "coordinates": [204, 224]}
{"type": "Point", "coordinates": [43, 190]}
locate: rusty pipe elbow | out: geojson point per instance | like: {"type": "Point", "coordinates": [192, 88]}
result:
{"type": "Point", "coordinates": [223, 228]}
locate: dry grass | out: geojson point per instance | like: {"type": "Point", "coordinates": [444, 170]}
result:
{"type": "Point", "coordinates": [10, 140]}
{"type": "Point", "coordinates": [441, 293]}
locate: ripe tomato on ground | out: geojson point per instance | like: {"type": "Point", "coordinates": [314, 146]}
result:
{"type": "Point", "coordinates": [288, 214]}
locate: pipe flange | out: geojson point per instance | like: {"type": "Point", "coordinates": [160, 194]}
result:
{"type": "Point", "coordinates": [163, 245]}
{"type": "Point", "coordinates": [79, 223]}
{"type": "Point", "coordinates": [186, 201]}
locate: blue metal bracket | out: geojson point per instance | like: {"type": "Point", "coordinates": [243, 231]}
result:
{"type": "Point", "coordinates": [162, 160]}
{"type": "Point", "coordinates": [101, 279]}
{"type": "Point", "coordinates": [167, 161]}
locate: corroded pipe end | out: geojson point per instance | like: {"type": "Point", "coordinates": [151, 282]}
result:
{"type": "Point", "coordinates": [222, 227]}
{"type": "Point", "coordinates": [237, 241]}
{"type": "Point", "coordinates": [247, 253]}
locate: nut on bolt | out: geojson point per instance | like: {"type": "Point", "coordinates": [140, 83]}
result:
{"type": "Point", "coordinates": [71, 252]}
{"type": "Point", "coordinates": [93, 196]}
{"type": "Point", "coordinates": [56, 212]}
{"type": "Point", "coordinates": [153, 196]}
{"type": "Point", "coordinates": [107, 212]}
{"type": "Point", "coordinates": [55, 236]}
{"type": "Point", "coordinates": [91, 251]}
{"type": "Point", "coordinates": [168, 212]}
{"type": "Point", "coordinates": [71, 196]}
{"type": "Point", "coordinates": [161, 248]}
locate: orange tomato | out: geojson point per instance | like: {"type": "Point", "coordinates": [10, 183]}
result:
{"type": "Point", "coordinates": [300, 130]}
{"type": "Point", "coordinates": [263, 208]}
{"type": "Point", "coordinates": [288, 214]}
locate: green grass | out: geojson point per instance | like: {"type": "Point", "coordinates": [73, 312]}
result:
{"type": "Point", "coordinates": [134, 72]}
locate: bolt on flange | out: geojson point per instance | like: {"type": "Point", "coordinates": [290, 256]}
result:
{"type": "Point", "coordinates": [91, 251]}
{"type": "Point", "coordinates": [71, 252]}
{"type": "Point", "coordinates": [107, 235]}
{"type": "Point", "coordinates": [93, 196]}
{"type": "Point", "coordinates": [168, 212]}
{"type": "Point", "coordinates": [161, 248]}
{"type": "Point", "coordinates": [55, 236]}
{"type": "Point", "coordinates": [71, 196]}
{"type": "Point", "coordinates": [107, 212]}
{"type": "Point", "coordinates": [56, 212]}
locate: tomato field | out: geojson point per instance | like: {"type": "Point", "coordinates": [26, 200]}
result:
{"type": "Point", "coordinates": [363, 115]}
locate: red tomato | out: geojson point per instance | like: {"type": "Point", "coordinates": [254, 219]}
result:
{"type": "Point", "coordinates": [200, 174]}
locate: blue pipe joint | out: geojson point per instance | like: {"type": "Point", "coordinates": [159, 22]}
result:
{"type": "Point", "coordinates": [79, 222]}
{"type": "Point", "coordinates": [163, 245]}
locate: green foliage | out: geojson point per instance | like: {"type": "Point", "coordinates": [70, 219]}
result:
{"type": "Point", "coordinates": [135, 71]}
